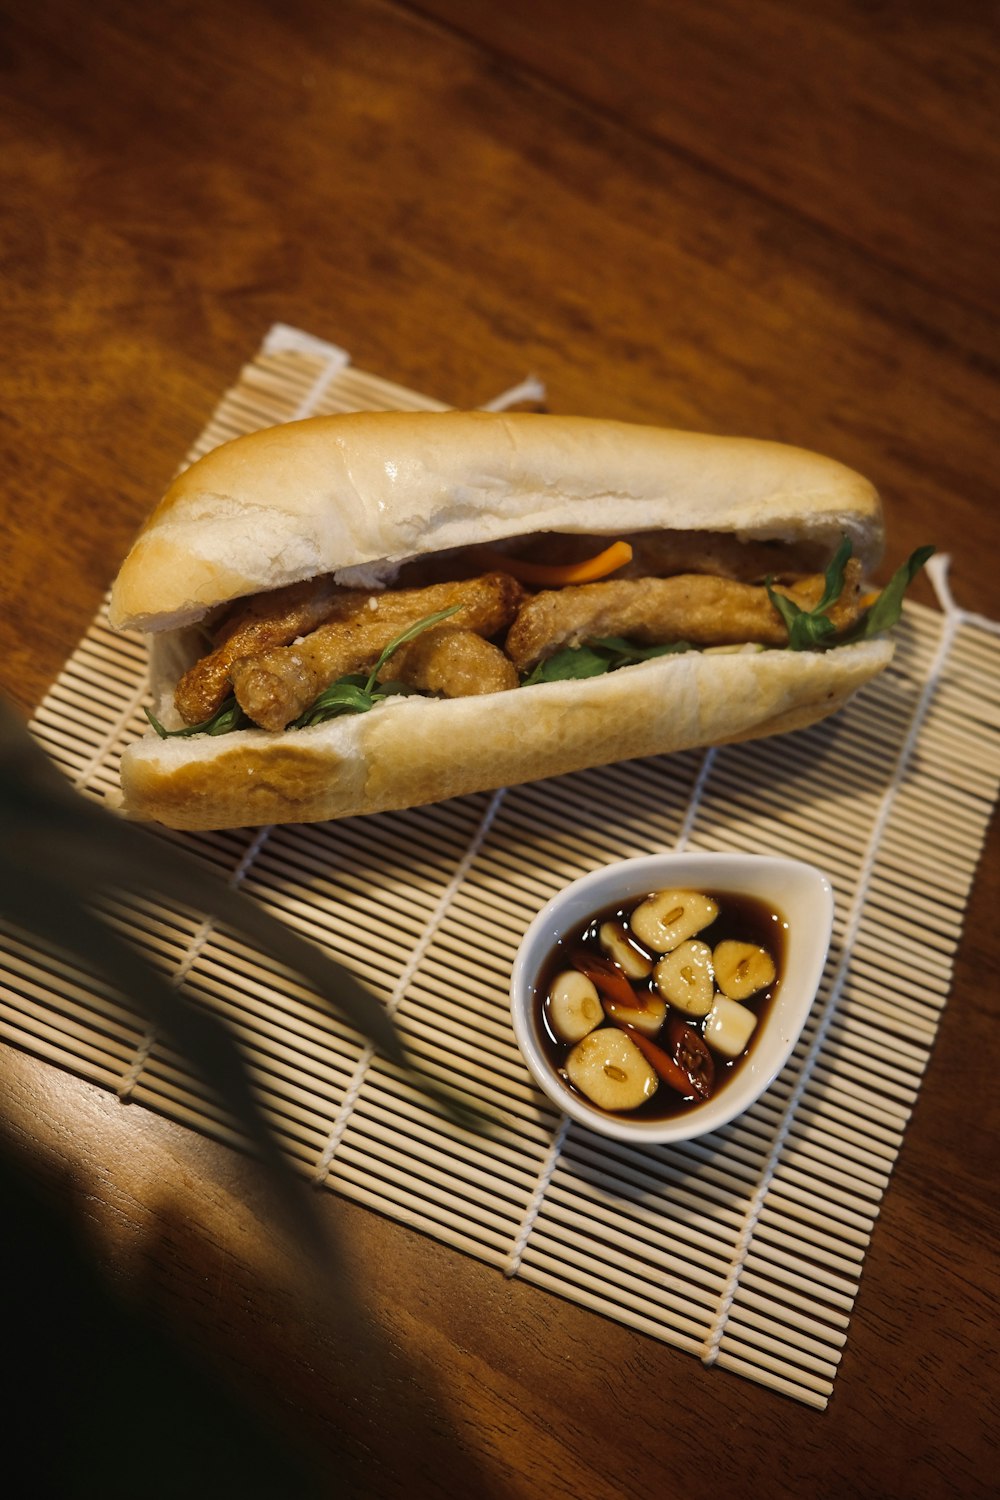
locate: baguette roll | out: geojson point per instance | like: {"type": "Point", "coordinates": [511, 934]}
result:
{"type": "Point", "coordinates": [374, 501]}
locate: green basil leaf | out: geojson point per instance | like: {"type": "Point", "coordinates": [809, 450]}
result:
{"type": "Point", "coordinates": [810, 630]}
{"type": "Point", "coordinates": [788, 610]}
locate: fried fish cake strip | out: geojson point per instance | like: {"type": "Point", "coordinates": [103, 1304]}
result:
{"type": "Point", "coordinates": [452, 664]}
{"type": "Point", "coordinates": [691, 607]}
{"type": "Point", "coordinates": [272, 619]}
{"type": "Point", "coordinates": [273, 687]}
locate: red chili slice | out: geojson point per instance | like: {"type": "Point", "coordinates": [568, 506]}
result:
{"type": "Point", "coordinates": [690, 1052]}
{"type": "Point", "coordinates": [607, 977]}
{"type": "Point", "coordinates": [662, 1063]}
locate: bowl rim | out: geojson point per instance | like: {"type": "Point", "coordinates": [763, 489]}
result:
{"type": "Point", "coordinates": [723, 871]}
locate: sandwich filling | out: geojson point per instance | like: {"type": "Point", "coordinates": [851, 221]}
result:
{"type": "Point", "coordinates": [453, 627]}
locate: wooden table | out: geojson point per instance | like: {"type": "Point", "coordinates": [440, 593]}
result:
{"type": "Point", "coordinates": [778, 219]}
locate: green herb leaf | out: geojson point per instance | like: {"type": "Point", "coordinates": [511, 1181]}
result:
{"type": "Point", "coordinates": [888, 607]}
{"type": "Point", "coordinates": [572, 663]}
{"type": "Point", "coordinates": [596, 657]}
{"type": "Point", "coordinates": [355, 693]}
{"type": "Point", "coordinates": [229, 717]}
{"type": "Point", "coordinates": [623, 653]}
{"type": "Point", "coordinates": [810, 629]}
{"type": "Point", "coordinates": [807, 629]}
{"type": "Point", "coordinates": [348, 695]}
{"type": "Point", "coordinates": [834, 585]}
{"type": "Point", "coordinates": [408, 635]}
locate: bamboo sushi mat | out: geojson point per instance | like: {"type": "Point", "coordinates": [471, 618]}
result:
{"type": "Point", "coordinates": [744, 1248]}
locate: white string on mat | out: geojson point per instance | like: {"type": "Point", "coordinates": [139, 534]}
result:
{"type": "Point", "coordinates": [529, 389]}
{"type": "Point", "coordinates": [337, 360]}
{"type": "Point", "coordinates": [114, 733]}
{"type": "Point", "coordinates": [534, 1204]}
{"type": "Point", "coordinates": [950, 622]}
{"type": "Point", "coordinates": [937, 568]}
{"type": "Point", "coordinates": [194, 950]}
{"type": "Point", "coordinates": [694, 804]}
{"type": "Point", "coordinates": [282, 338]}
{"type": "Point", "coordinates": [413, 963]}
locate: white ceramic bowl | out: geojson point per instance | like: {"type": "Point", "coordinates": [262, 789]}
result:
{"type": "Point", "coordinates": [798, 891]}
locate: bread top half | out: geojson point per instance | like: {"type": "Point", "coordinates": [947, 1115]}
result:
{"type": "Point", "coordinates": [358, 495]}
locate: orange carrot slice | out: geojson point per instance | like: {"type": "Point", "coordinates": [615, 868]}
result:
{"type": "Point", "coordinates": [556, 574]}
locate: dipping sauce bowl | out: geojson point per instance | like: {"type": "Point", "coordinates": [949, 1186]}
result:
{"type": "Point", "coordinates": [800, 897]}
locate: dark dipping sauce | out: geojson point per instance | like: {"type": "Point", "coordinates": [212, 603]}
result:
{"type": "Point", "coordinates": [740, 918]}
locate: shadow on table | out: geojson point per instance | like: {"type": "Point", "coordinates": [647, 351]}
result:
{"type": "Point", "coordinates": [105, 1399]}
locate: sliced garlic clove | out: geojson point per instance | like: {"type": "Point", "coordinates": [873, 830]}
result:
{"type": "Point", "coordinates": [670, 917]}
{"type": "Point", "coordinates": [573, 1007]}
{"type": "Point", "coordinates": [729, 1026]}
{"type": "Point", "coordinates": [614, 939]}
{"type": "Point", "coordinates": [684, 977]}
{"type": "Point", "coordinates": [648, 1018]}
{"type": "Point", "coordinates": [610, 1070]}
{"type": "Point", "coordinates": [742, 969]}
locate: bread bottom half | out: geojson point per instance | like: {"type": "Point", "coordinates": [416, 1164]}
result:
{"type": "Point", "coordinates": [411, 751]}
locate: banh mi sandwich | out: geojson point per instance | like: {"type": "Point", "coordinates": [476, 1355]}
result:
{"type": "Point", "coordinates": [350, 614]}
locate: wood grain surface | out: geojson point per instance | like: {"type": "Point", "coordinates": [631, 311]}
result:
{"type": "Point", "coordinates": [779, 219]}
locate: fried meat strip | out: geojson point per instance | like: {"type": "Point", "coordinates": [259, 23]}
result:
{"type": "Point", "coordinates": [653, 611]}
{"type": "Point", "coordinates": [452, 664]}
{"type": "Point", "coordinates": [273, 687]}
{"type": "Point", "coordinates": [272, 619]}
